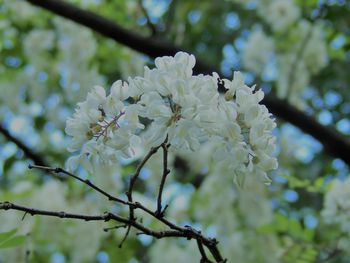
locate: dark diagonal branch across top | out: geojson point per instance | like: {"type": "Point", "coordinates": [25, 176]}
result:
{"type": "Point", "coordinates": [333, 142]}
{"type": "Point", "coordinates": [36, 158]}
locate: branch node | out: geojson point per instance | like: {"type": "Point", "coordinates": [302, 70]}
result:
{"type": "Point", "coordinates": [58, 170]}
{"type": "Point", "coordinates": [87, 181]}
{"type": "Point", "coordinates": [6, 205]}
{"type": "Point", "coordinates": [62, 214]}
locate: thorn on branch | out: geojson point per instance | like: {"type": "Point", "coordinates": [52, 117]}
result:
{"type": "Point", "coordinates": [114, 227]}
{"type": "Point", "coordinates": [23, 217]}
{"type": "Point", "coordinates": [87, 181]}
{"type": "Point", "coordinates": [58, 170]}
{"type": "Point", "coordinates": [107, 216]}
{"type": "Point", "coordinates": [125, 237]}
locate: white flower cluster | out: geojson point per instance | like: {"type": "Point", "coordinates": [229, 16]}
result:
{"type": "Point", "coordinates": [280, 14]}
{"type": "Point", "coordinates": [103, 127]}
{"type": "Point", "coordinates": [24, 11]}
{"type": "Point", "coordinates": [337, 205]}
{"type": "Point", "coordinates": [296, 50]}
{"type": "Point", "coordinates": [315, 52]}
{"type": "Point", "coordinates": [257, 51]}
{"type": "Point", "coordinates": [185, 108]}
{"type": "Point", "coordinates": [302, 60]}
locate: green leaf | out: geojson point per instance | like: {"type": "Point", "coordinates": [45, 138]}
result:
{"type": "Point", "coordinates": [13, 242]}
{"type": "Point", "coordinates": [15, 196]}
{"type": "Point", "coordinates": [281, 223]}
{"type": "Point", "coordinates": [6, 235]}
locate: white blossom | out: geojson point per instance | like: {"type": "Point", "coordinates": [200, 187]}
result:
{"type": "Point", "coordinates": [184, 108]}
{"type": "Point", "coordinates": [257, 51]}
{"type": "Point", "coordinates": [280, 14]}
{"type": "Point", "coordinates": [301, 61]}
{"type": "Point", "coordinates": [315, 51]}
{"type": "Point", "coordinates": [337, 205]}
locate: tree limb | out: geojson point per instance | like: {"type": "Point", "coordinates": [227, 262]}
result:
{"type": "Point", "coordinates": [334, 143]}
{"type": "Point", "coordinates": [175, 231]}
{"type": "Point", "coordinates": [36, 158]}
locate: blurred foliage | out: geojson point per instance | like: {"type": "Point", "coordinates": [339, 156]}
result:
{"type": "Point", "coordinates": [48, 64]}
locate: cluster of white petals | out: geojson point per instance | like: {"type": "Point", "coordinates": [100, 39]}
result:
{"type": "Point", "coordinates": [257, 51]}
{"type": "Point", "coordinates": [280, 14]}
{"type": "Point", "coordinates": [337, 205]}
{"type": "Point", "coordinates": [294, 51]}
{"type": "Point", "coordinates": [183, 108]}
{"type": "Point", "coordinates": [315, 52]}
{"type": "Point", "coordinates": [103, 127]}
{"type": "Point", "coordinates": [307, 57]}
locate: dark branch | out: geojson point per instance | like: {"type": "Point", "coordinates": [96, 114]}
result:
{"type": "Point", "coordinates": [186, 232]}
{"type": "Point", "coordinates": [107, 195]}
{"type": "Point", "coordinates": [166, 171]}
{"type": "Point", "coordinates": [135, 177]}
{"type": "Point", "coordinates": [151, 47]}
{"type": "Point", "coordinates": [105, 217]}
{"type": "Point", "coordinates": [36, 158]}
{"type": "Point", "coordinates": [85, 181]}
{"type": "Point", "coordinates": [204, 258]}
{"type": "Point", "coordinates": [334, 143]}
{"type": "Point", "coordinates": [125, 236]}
{"type": "Point", "coordinates": [33, 211]}
{"type": "Point", "coordinates": [150, 25]}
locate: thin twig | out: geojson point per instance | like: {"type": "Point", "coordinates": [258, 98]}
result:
{"type": "Point", "coordinates": [135, 177]}
{"type": "Point", "coordinates": [24, 216]}
{"type": "Point", "coordinates": [107, 216]}
{"type": "Point", "coordinates": [166, 171]}
{"type": "Point", "coordinates": [204, 258]}
{"type": "Point", "coordinates": [106, 229]}
{"type": "Point", "coordinates": [32, 211]}
{"type": "Point", "coordinates": [125, 236]}
{"type": "Point", "coordinates": [59, 170]}
{"type": "Point", "coordinates": [170, 14]}
{"type": "Point", "coordinates": [186, 232]}
{"type": "Point", "coordinates": [135, 205]}
{"type": "Point", "coordinates": [150, 25]}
